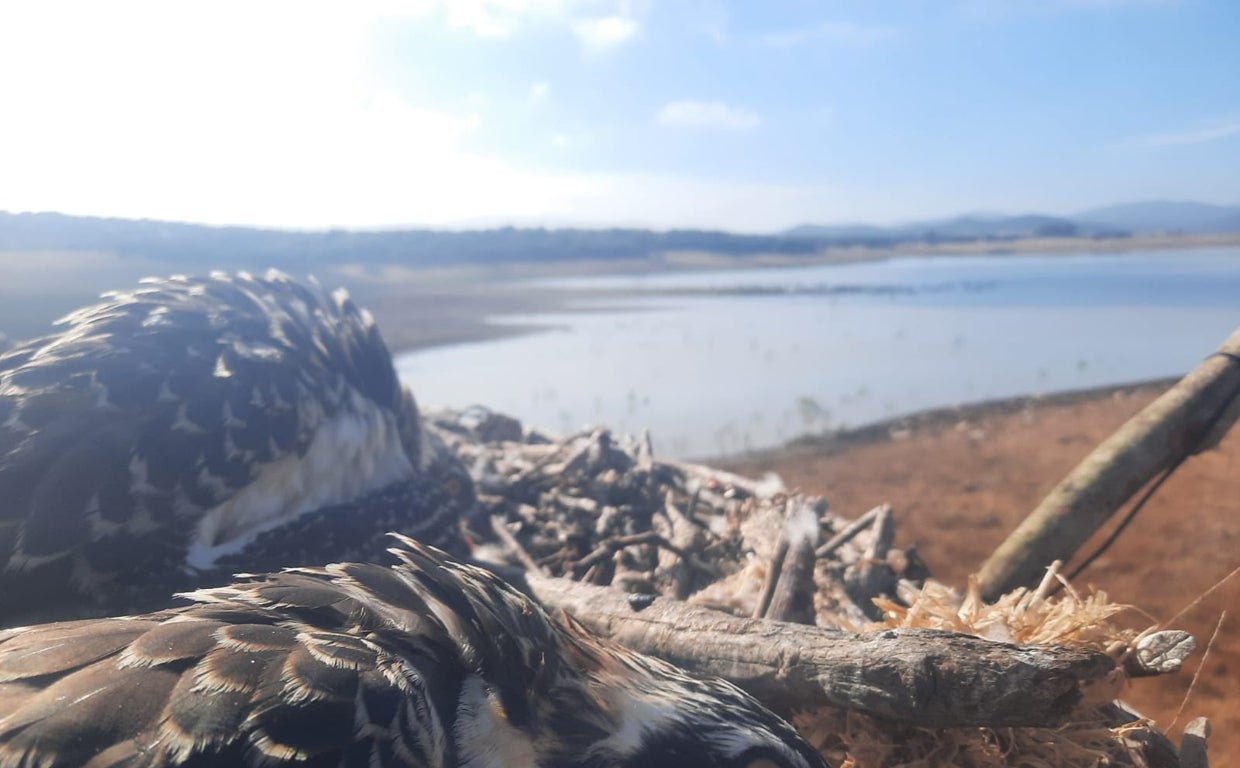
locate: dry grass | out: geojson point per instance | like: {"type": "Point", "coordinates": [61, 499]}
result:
{"type": "Point", "coordinates": [852, 740]}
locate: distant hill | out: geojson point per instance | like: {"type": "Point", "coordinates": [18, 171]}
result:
{"type": "Point", "coordinates": [971, 227]}
{"type": "Point", "coordinates": [1166, 216]}
{"type": "Point", "coordinates": [188, 245]}
{"type": "Point", "coordinates": [839, 231]}
{"type": "Point", "coordinates": [1155, 216]}
{"type": "Point", "coordinates": [185, 247]}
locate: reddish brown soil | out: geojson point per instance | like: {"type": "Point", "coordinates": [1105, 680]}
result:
{"type": "Point", "coordinates": [960, 482]}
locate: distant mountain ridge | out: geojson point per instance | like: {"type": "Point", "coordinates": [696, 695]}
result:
{"type": "Point", "coordinates": [231, 247]}
{"type": "Point", "coordinates": [970, 227]}
{"type": "Point", "coordinates": [1155, 216]}
{"type": "Point", "coordinates": [1166, 216]}
{"type": "Point", "coordinates": [188, 246]}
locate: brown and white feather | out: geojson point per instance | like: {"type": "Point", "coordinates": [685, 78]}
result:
{"type": "Point", "coordinates": [174, 433]}
{"type": "Point", "coordinates": [426, 663]}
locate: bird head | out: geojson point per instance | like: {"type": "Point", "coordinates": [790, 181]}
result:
{"type": "Point", "coordinates": [551, 694]}
{"type": "Point", "coordinates": [661, 717]}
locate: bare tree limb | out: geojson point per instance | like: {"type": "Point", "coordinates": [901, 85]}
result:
{"type": "Point", "coordinates": [1187, 418]}
{"type": "Point", "coordinates": [927, 677]}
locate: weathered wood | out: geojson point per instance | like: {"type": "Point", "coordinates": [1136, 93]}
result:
{"type": "Point", "coordinates": [872, 576]}
{"type": "Point", "coordinates": [1190, 416]}
{"type": "Point", "coordinates": [1193, 744]}
{"type": "Point", "coordinates": [1159, 653]}
{"type": "Point", "coordinates": [850, 532]}
{"type": "Point", "coordinates": [927, 677]}
{"type": "Point", "coordinates": [675, 572]}
{"type": "Point", "coordinates": [774, 570]}
{"type": "Point", "coordinates": [792, 594]}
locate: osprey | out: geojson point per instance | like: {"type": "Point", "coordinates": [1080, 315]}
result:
{"type": "Point", "coordinates": [173, 434]}
{"type": "Point", "coordinates": [426, 663]}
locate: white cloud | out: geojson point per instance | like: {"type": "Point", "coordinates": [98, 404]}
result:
{"type": "Point", "coordinates": [600, 26]}
{"type": "Point", "coordinates": [540, 91]}
{"type": "Point", "coordinates": [708, 114]}
{"type": "Point", "coordinates": [500, 18]}
{"type": "Point", "coordinates": [605, 34]}
{"type": "Point", "coordinates": [829, 32]}
{"type": "Point", "coordinates": [1212, 131]}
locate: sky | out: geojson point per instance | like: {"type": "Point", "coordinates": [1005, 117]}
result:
{"type": "Point", "coordinates": [744, 116]}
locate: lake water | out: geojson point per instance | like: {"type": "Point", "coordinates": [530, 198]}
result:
{"type": "Point", "coordinates": [722, 362]}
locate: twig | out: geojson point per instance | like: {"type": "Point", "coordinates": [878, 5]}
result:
{"type": "Point", "coordinates": [750, 487]}
{"type": "Point", "coordinates": [616, 543]}
{"type": "Point", "coordinates": [500, 529]}
{"type": "Point", "coordinates": [676, 571]}
{"type": "Point", "coordinates": [872, 575]}
{"type": "Point", "coordinates": [849, 533]}
{"type": "Point", "coordinates": [773, 570]}
{"type": "Point", "coordinates": [792, 598]}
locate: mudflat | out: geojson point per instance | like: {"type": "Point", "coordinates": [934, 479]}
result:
{"type": "Point", "coordinates": [961, 479]}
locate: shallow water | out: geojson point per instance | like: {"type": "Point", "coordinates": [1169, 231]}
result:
{"type": "Point", "coordinates": [782, 352]}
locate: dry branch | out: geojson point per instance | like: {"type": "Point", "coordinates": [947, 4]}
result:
{"type": "Point", "coordinates": [788, 594]}
{"type": "Point", "coordinates": [849, 533]}
{"type": "Point", "coordinates": [927, 677]}
{"type": "Point", "coordinates": [1190, 416]}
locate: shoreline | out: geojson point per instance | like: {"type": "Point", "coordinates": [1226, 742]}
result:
{"type": "Point", "coordinates": [900, 428]}
{"type": "Point", "coordinates": [423, 309]}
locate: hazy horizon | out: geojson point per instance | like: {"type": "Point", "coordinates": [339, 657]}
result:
{"type": "Point", "coordinates": [598, 113]}
{"type": "Point", "coordinates": [569, 224]}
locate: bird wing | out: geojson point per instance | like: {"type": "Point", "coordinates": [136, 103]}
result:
{"type": "Point", "coordinates": [305, 667]}
{"type": "Point", "coordinates": [159, 404]}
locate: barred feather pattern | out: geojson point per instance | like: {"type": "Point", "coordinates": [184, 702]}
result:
{"type": "Point", "coordinates": [426, 663]}
{"type": "Point", "coordinates": [173, 433]}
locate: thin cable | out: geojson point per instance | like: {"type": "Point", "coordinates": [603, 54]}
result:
{"type": "Point", "coordinates": [1149, 493]}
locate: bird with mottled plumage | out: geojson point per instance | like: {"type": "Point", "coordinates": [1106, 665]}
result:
{"type": "Point", "coordinates": [425, 663]}
{"type": "Point", "coordinates": [175, 433]}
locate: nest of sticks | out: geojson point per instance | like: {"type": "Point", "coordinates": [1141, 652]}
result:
{"type": "Point", "coordinates": [1038, 689]}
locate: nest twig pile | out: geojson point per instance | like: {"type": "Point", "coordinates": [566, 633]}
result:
{"type": "Point", "coordinates": [593, 509]}
{"type": "Point", "coordinates": [608, 513]}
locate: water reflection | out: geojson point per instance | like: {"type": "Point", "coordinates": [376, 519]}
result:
{"type": "Point", "coordinates": [716, 373]}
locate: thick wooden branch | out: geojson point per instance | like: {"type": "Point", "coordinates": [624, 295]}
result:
{"type": "Point", "coordinates": [1189, 417]}
{"type": "Point", "coordinates": [926, 677]}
